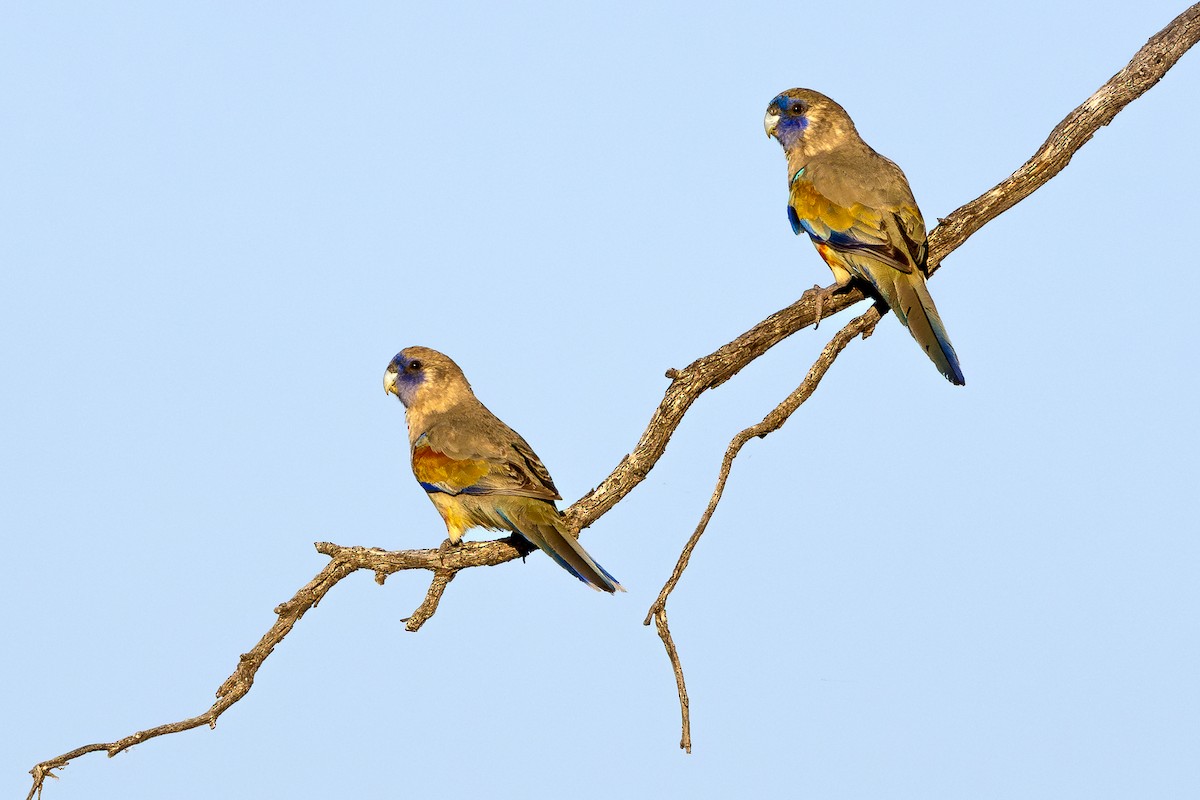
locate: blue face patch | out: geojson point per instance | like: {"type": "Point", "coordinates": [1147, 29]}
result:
{"type": "Point", "coordinates": [407, 380]}
{"type": "Point", "coordinates": [791, 125]}
{"type": "Point", "coordinates": [790, 129]}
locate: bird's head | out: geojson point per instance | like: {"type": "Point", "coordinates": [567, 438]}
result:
{"type": "Point", "coordinates": [802, 119]}
{"type": "Point", "coordinates": [423, 377]}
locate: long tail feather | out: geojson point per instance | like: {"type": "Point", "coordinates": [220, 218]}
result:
{"type": "Point", "coordinates": [546, 530]}
{"type": "Point", "coordinates": [913, 306]}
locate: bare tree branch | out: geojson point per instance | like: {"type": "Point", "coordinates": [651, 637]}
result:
{"type": "Point", "coordinates": [664, 633]}
{"type": "Point", "coordinates": [1147, 68]}
{"type": "Point", "coordinates": [235, 686]}
{"type": "Point", "coordinates": [441, 579]}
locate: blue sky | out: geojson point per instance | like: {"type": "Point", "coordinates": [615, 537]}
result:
{"type": "Point", "coordinates": [219, 223]}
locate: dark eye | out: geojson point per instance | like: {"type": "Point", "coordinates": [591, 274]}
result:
{"type": "Point", "coordinates": [413, 366]}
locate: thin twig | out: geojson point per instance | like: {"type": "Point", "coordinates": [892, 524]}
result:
{"type": "Point", "coordinates": [1146, 69]}
{"type": "Point", "coordinates": [664, 633]}
{"type": "Point", "coordinates": [233, 689]}
{"type": "Point", "coordinates": [773, 421]}
{"type": "Point", "coordinates": [863, 324]}
{"type": "Point", "coordinates": [441, 579]}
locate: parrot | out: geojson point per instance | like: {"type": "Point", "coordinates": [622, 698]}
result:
{"type": "Point", "coordinates": [478, 471]}
{"type": "Point", "coordinates": [858, 209]}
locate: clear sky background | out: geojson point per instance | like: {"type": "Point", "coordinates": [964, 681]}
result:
{"type": "Point", "coordinates": [220, 222]}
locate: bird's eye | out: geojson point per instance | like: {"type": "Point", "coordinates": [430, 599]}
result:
{"type": "Point", "coordinates": [414, 366]}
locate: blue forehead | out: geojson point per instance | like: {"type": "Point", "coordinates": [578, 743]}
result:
{"type": "Point", "coordinates": [786, 103]}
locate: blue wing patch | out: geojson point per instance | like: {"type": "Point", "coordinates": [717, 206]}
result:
{"type": "Point", "coordinates": [433, 488]}
{"type": "Point", "coordinates": [797, 225]}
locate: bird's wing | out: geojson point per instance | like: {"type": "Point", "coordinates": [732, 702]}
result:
{"type": "Point", "coordinates": [861, 215]}
{"type": "Point", "coordinates": [894, 237]}
{"type": "Point", "coordinates": [453, 465]}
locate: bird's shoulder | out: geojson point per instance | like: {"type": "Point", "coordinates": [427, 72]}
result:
{"type": "Point", "coordinates": [857, 175]}
{"type": "Point", "coordinates": [465, 435]}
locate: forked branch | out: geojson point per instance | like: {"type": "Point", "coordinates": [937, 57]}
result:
{"type": "Point", "coordinates": [864, 325]}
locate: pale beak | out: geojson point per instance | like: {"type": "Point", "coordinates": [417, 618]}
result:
{"type": "Point", "coordinates": [769, 122]}
{"type": "Point", "coordinates": [390, 378]}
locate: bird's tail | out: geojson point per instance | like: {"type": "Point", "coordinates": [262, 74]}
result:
{"type": "Point", "coordinates": [540, 523]}
{"type": "Point", "coordinates": [914, 307]}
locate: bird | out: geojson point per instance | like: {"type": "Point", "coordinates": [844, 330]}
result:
{"type": "Point", "coordinates": [478, 471]}
{"type": "Point", "coordinates": [858, 209]}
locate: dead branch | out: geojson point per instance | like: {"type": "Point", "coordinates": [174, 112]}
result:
{"type": "Point", "coordinates": [863, 324]}
{"type": "Point", "coordinates": [1147, 68]}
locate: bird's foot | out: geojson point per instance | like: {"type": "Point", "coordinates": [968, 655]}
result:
{"type": "Point", "coordinates": [823, 294]}
{"type": "Point", "coordinates": [444, 548]}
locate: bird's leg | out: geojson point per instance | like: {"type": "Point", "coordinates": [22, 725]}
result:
{"type": "Point", "coordinates": [823, 296]}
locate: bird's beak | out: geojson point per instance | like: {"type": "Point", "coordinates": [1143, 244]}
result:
{"type": "Point", "coordinates": [769, 122]}
{"type": "Point", "coordinates": [389, 381]}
